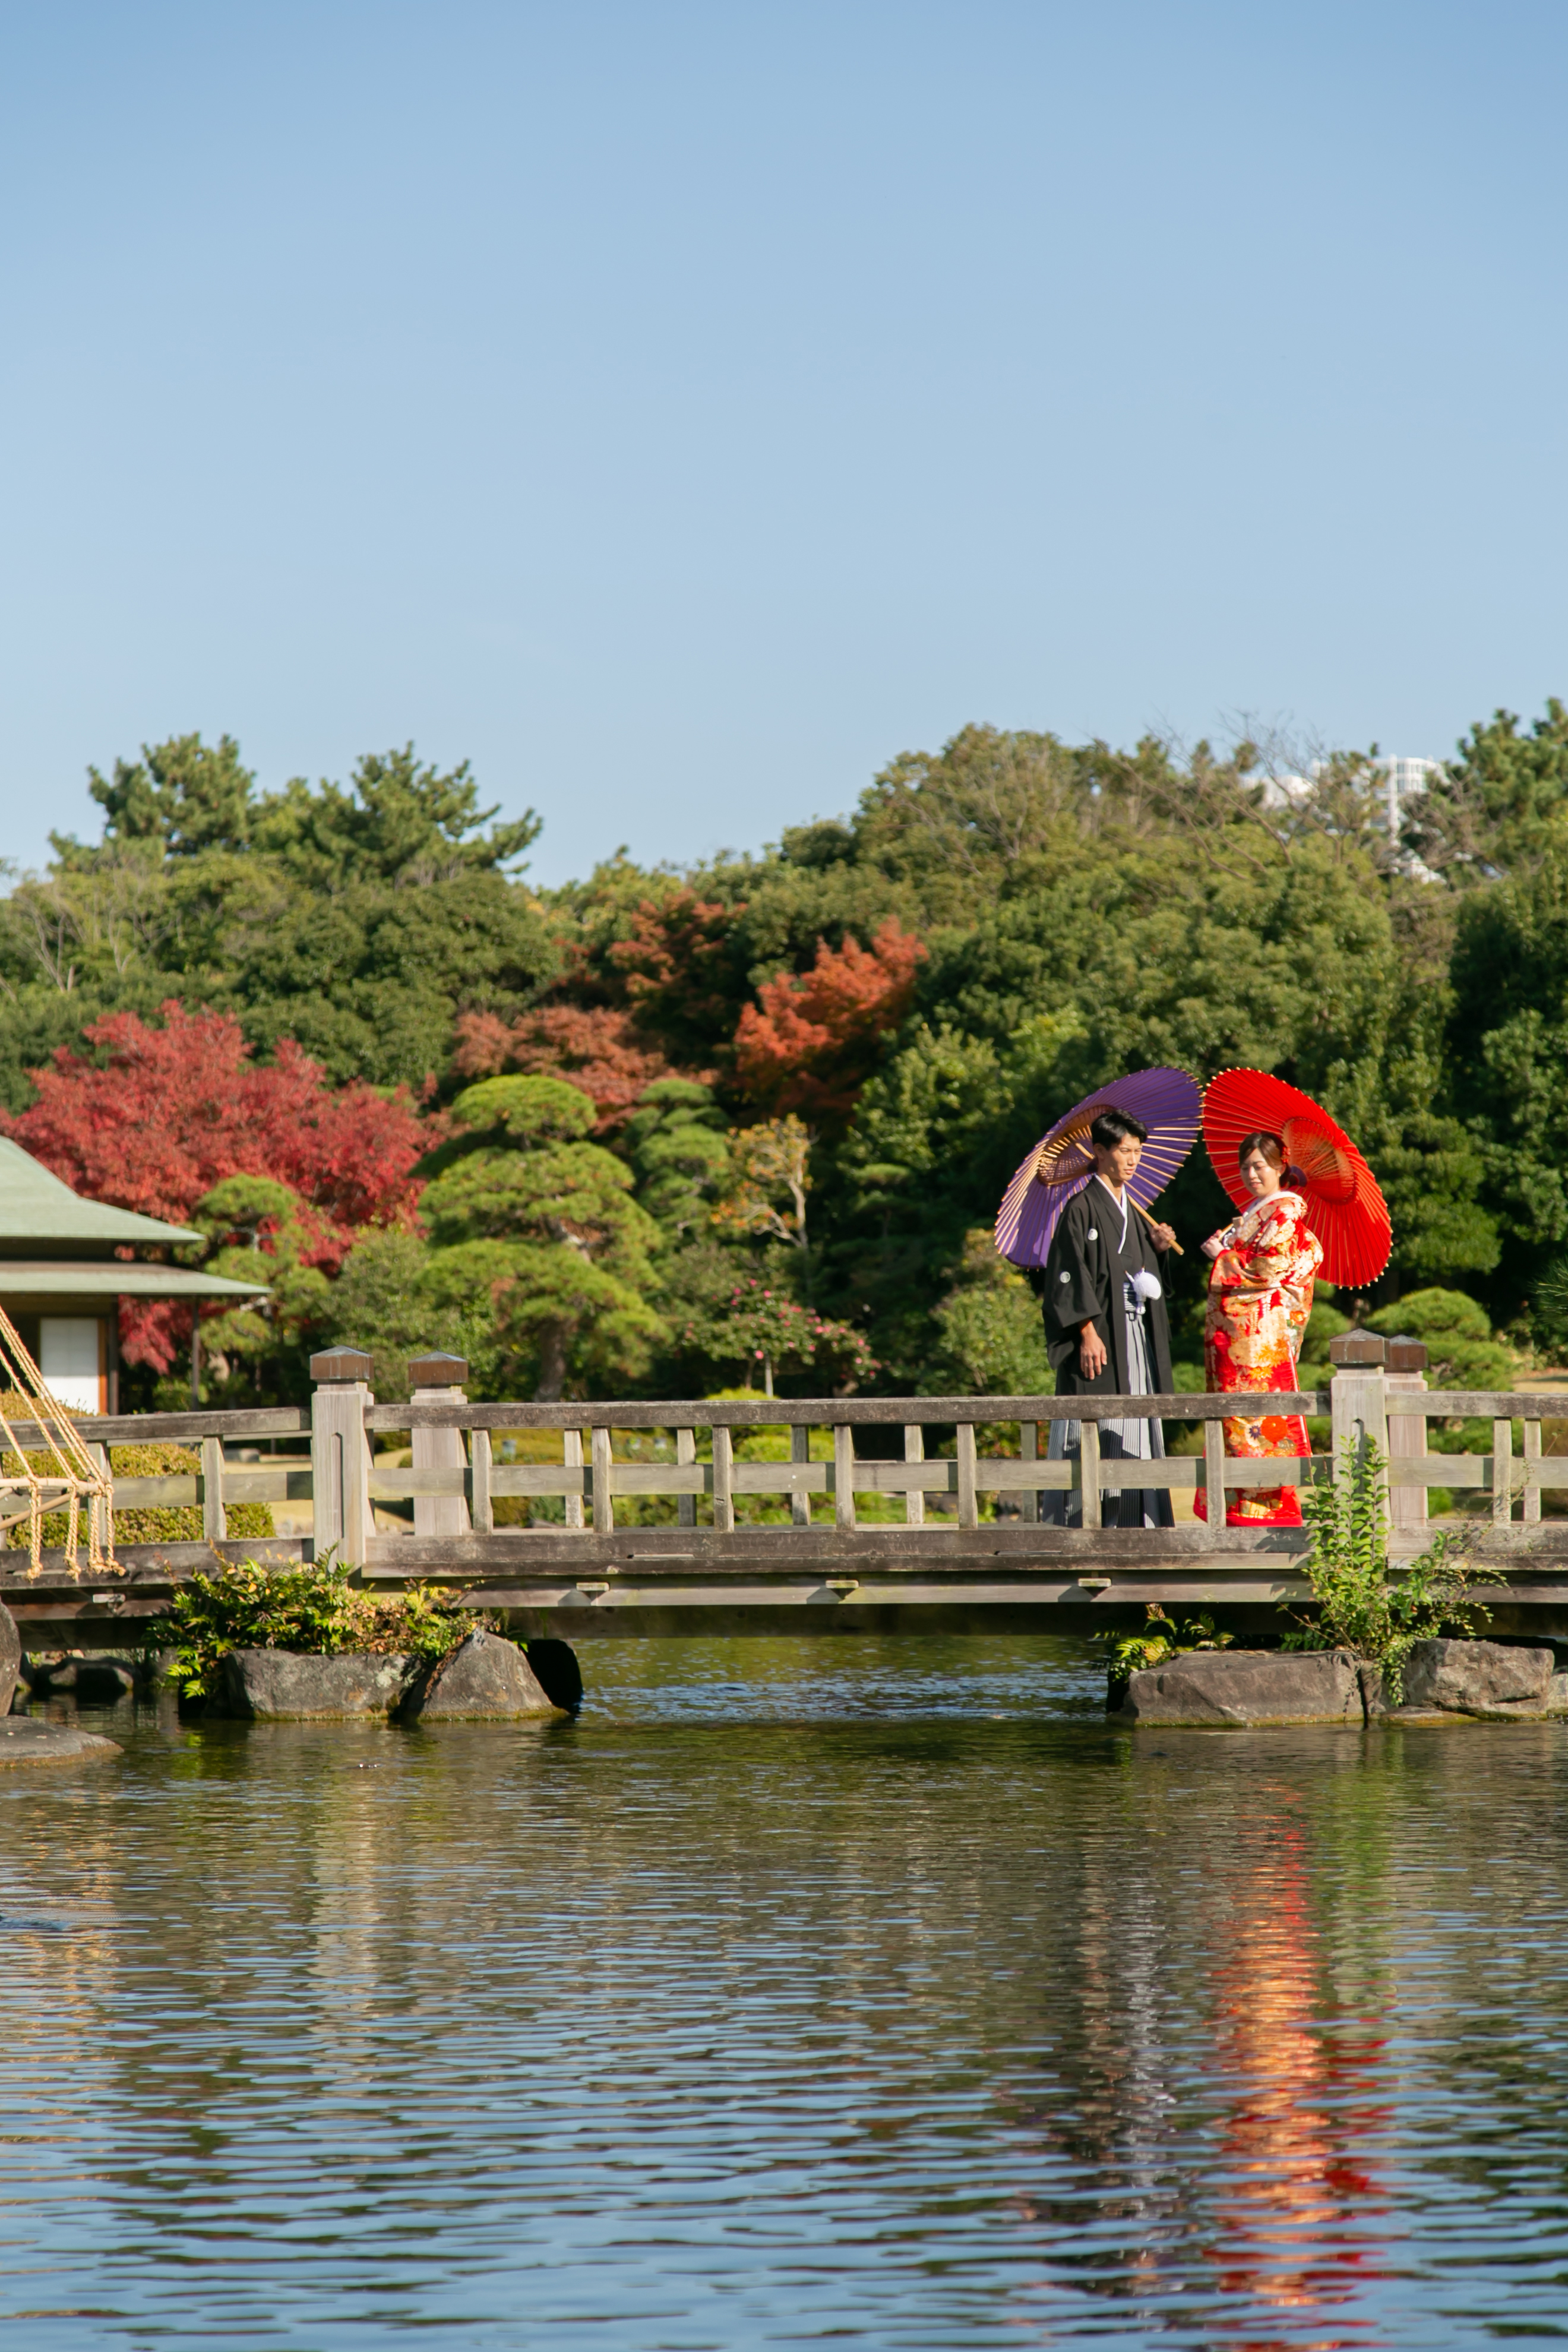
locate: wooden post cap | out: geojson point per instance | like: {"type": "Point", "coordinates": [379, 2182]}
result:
{"type": "Point", "coordinates": [1358, 1350]}
{"type": "Point", "coordinates": [1407, 1355]}
{"type": "Point", "coordinates": [437, 1371]}
{"type": "Point", "coordinates": [341, 1364]}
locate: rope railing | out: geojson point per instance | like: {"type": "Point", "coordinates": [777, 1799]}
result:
{"type": "Point", "coordinates": [33, 1421]}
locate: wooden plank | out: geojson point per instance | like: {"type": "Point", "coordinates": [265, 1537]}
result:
{"type": "Point", "coordinates": [939, 1478]}
{"type": "Point", "coordinates": [935, 1550]}
{"type": "Point", "coordinates": [781, 1478]}
{"type": "Point", "coordinates": [572, 1459]}
{"type": "Point", "coordinates": [914, 1496]}
{"type": "Point", "coordinates": [1028, 1447]}
{"type": "Point", "coordinates": [800, 1464]}
{"type": "Point", "coordinates": [1444, 1470]}
{"type": "Point", "coordinates": [1213, 1474]}
{"type": "Point", "coordinates": [968, 1501]}
{"type": "Point", "coordinates": [685, 1456]}
{"type": "Point", "coordinates": [339, 1461]}
{"type": "Point", "coordinates": [1406, 1393]}
{"type": "Point", "coordinates": [724, 1472]}
{"type": "Point", "coordinates": [843, 1475]}
{"type": "Point", "coordinates": [543, 1478]}
{"type": "Point", "coordinates": [1492, 1404]}
{"type": "Point", "coordinates": [854, 1413]}
{"type": "Point", "coordinates": [1532, 1509]}
{"type": "Point", "coordinates": [664, 1478]}
{"type": "Point", "coordinates": [1502, 1470]}
{"type": "Point", "coordinates": [174, 1494]}
{"type": "Point", "coordinates": [480, 1506]}
{"type": "Point", "coordinates": [403, 1485]}
{"type": "Point", "coordinates": [603, 1501]}
{"type": "Point", "coordinates": [280, 1485]}
{"type": "Point", "coordinates": [1187, 1472]}
{"type": "Point", "coordinates": [803, 1479]}
{"type": "Point", "coordinates": [183, 1428]}
{"type": "Point", "coordinates": [1088, 1474]}
{"type": "Point", "coordinates": [103, 1513]}
{"type": "Point", "coordinates": [215, 1521]}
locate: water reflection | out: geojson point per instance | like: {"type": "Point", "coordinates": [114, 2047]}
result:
{"type": "Point", "coordinates": [1301, 2101]}
{"type": "Point", "coordinates": [884, 1993]}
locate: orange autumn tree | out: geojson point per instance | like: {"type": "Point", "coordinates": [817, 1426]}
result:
{"type": "Point", "coordinates": [810, 1044]}
{"type": "Point", "coordinates": [594, 1048]}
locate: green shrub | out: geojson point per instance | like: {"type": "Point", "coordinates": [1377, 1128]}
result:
{"type": "Point", "coordinates": [1457, 1333]}
{"type": "Point", "coordinates": [1323, 1324]}
{"type": "Point", "coordinates": [314, 1609]}
{"type": "Point", "coordinates": [1359, 1608]}
{"type": "Point", "coordinates": [991, 1335]}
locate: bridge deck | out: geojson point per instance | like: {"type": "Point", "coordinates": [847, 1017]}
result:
{"type": "Point", "coordinates": [657, 1510]}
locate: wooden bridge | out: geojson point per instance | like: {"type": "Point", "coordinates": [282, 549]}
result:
{"type": "Point", "coordinates": [934, 1502]}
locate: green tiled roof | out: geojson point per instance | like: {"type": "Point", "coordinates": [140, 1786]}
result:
{"type": "Point", "coordinates": [36, 1207]}
{"type": "Point", "coordinates": [86, 1277]}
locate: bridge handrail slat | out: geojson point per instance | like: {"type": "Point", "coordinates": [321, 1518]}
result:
{"type": "Point", "coordinates": [826, 1413]}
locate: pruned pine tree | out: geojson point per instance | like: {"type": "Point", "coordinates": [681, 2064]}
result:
{"type": "Point", "coordinates": [524, 1210]}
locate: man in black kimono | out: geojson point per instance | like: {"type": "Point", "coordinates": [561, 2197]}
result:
{"type": "Point", "coordinates": [1107, 1332]}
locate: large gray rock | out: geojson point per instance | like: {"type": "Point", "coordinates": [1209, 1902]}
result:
{"type": "Point", "coordinates": [101, 1682]}
{"type": "Point", "coordinates": [24, 1740]}
{"type": "Point", "coordinates": [1240, 1687]}
{"type": "Point", "coordinates": [10, 1658]}
{"type": "Point", "coordinates": [282, 1685]}
{"type": "Point", "coordinates": [483, 1676]}
{"type": "Point", "coordinates": [1478, 1678]}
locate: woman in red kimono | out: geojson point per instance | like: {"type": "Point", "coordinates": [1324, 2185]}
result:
{"type": "Point", "coordinates": [1260, 1295]}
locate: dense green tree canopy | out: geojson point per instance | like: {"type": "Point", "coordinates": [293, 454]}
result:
{"type": "Point", "coordinates": [921, 983]}
{"type": "Point", "coordinates": [360, 919]}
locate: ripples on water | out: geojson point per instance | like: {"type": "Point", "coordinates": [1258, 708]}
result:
{"type": "Point", "coordinates": [861, 1989]}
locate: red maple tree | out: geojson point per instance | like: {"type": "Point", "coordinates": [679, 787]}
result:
{"type": "Point", "coordinates": [596, 1046]}
{"type": "Point", "coordinates": [152, 1118]}
{"type": "Point", "coordinates": [675, 965]}
{"type": "Point", "coordinates": [811, 1045]}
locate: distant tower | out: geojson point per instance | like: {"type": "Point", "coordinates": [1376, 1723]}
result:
{"type": "Point", "coordinates": [1401, 778]}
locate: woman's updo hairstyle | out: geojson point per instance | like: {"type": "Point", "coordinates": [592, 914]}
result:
{"type": "Point", "coordinates": [1273, 1149]}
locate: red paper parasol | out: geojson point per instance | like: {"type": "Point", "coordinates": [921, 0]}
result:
{"type": "Point", "coordinates": [1344, 1206]}
{"type": "Point", "coordinates": [1169, 1102]}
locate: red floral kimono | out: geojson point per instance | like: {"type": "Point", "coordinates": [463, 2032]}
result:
{"type": "Point", "coordinates": [1260, 1295]}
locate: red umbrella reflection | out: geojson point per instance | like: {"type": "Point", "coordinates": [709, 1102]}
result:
{"type": "Point", "coordinates": [1295, 2189]}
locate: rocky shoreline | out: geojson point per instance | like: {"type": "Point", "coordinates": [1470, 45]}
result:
{"type": "Point", "coordinates": [485, 1679]}
{"type": "Point", "coordinates": [1445, 1681]}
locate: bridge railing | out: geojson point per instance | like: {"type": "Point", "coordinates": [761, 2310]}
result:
{"type": "Point", "coordinates": [454, 1480]}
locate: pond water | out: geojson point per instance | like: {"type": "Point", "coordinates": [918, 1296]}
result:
{"type": "Point", "coordinates": [849, 1989]}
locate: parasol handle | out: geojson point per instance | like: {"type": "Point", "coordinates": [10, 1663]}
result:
{"type": "Point", "coordinates": [1147, 1220]}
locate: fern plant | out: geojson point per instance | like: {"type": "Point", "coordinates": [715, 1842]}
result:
{"type": "Point", "coordinates": [1359, 1608]}
{"type": "Point", "coordinates": [1162, 1638]}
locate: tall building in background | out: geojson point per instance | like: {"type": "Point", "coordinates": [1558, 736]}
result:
{"type": "Point", "coordinates": [1401, 778]}
{"type": "Point", "coordinates": [1398, 780]}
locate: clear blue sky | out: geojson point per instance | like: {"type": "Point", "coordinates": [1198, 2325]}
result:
{"type": "Point", "coordinates": [680, 410]}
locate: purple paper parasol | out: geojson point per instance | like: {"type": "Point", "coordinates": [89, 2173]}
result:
{"type": "Point", "coordinates": [1169, 1104]}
